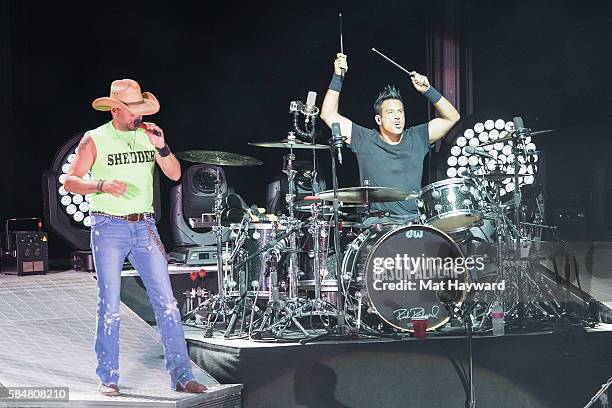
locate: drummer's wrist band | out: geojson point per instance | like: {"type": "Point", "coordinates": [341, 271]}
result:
{"type": "Point", "coordinates": [164, 151]}
{"type": "Point", "coordinates": [336, 83]}
{"type": "Point", "coordinates": [432, 95]}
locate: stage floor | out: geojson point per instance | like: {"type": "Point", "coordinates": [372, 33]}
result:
{"type": "Point", "coordinates": [47, 329]}
{"type": "Point", "coordinates": [536, 370]}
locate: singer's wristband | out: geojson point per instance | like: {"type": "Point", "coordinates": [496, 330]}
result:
{"type": "Point", "coordinates": [432, 95]}
{"type": "Point", "coordinates": [100, 186]}
{"type": "Point", "coordinates": [164, 151]}
{"type": "Point", "coordinates": [336, 83]}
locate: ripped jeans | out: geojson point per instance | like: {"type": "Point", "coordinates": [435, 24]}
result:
{"type": "Point", "coordinates": [112, 240]}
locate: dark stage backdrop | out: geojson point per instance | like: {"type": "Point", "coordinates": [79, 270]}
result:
{"type": "Point", "coordinates": [226, 72]}
{"type": "Point", "coordinates": [547, 61]}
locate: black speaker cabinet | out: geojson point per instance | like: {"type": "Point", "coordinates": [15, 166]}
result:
{"type": "Point", "coordinates": [28, 253]}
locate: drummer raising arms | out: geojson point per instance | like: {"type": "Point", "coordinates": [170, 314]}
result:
{"type": "Point", "coordinates": [390, 156]}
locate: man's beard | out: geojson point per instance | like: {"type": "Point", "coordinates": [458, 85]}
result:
{"type": "Point", "coordinates": [136, 123]}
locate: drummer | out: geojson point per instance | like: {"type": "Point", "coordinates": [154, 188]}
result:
{"type": "Point", "coordinates": [390, 156]}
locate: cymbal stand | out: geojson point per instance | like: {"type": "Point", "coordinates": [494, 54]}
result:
{"type": "Point", "coordinates": [294, 271]}
{"type": "Point", "coordinates": [219, 236]}
{"type": "Point", "coordinates": [218, 302]}
{"type": "Point", "coordinates": [315, 232]}
{"type": "Point", "coordinates": [502, 227]}
{"type": "Point", "coordinates": [518, 140]}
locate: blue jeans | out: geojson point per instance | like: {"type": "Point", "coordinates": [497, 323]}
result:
{"type": "Point", "coordinates": [112, 240]}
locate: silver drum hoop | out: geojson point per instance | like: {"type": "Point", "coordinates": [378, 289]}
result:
{"type": "Point", "coordinates": [451, 205]}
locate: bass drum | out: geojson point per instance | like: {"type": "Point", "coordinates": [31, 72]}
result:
{"type": "Point", "coordinates": [407, 271]}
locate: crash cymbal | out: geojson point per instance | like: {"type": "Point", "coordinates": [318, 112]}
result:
{"type": "Point", "coordinates": [368, 194]}
{"type": "Point", "coordinates": [217, 158]}
{"type": "Point", "coordinates": [511, 137]}
{"type": "Point", "coordinates": [305, 205]}
{"type": "Point", "coordinates": [290, 144]}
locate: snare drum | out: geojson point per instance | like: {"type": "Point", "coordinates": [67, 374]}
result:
{"type": "Point", "coordinates": [451, 205]}
{"type": "Point", "coordinates": [407, 271]}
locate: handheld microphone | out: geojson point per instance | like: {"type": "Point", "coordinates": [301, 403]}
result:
{"type": "Point", "coordinates": [146, 128]}
{"type": "Point", "coordinates": [471, 150]}
{"type": "Point", "coordinates": [337, 139]}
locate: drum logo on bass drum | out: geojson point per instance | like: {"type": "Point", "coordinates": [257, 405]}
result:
{"type": "Point", "coordinates": [414, 234]}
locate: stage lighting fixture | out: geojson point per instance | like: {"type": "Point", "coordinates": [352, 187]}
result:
{"type": "Point", "coordinates": [503, 157]}
{"type": "Point", "coordinates": [193, 206]}
{"type": "Point", "coordinates": [198, 191]}
{"type": "Point", "coordinates": [304, 184]}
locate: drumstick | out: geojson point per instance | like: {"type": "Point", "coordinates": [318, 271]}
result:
{"type": "Point", "coordinates": [411, 74]}
{"type": "Point", "coordinates": [340, 24]}
{"type": "Point", "coordinates": [341, 40]}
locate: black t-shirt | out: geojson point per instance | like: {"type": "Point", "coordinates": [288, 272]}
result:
{"type": "Point", "coordinates": [391, 165]}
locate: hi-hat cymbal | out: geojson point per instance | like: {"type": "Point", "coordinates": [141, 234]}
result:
{"type": "Point", "coordinates": [290, 144]}
{"type": "Point", "coordinates": [368, 194]}
{"type": "Point", "coordinates": [497, 176]}
{"type": "Point", "coordinates": [217, 158]}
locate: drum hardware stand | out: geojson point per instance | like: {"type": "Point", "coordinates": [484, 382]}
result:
{"type": "Point", "coordinates": [534, 292]}
{"type": "Point", "coordinates": [521, 309]}
{"type": "Point", "coordinates": [341, 329]}
{"type": "Point", "coordinates": [242, 303]}
{"type": "Point", "coordinates": [217, 303]}
{"type": "Point", "coordinates": [525, 285]}
{"type": "Point", "coordinates": [294, 271]}
{"type": "Point", "coordinates": [502, 223]}
{"type": "Point", "coordinates": [315, 232]}
{"type": "Point", "coordinates": [294, 308]}
{"type": "Point", "coordinates": [299, 306]}
{"type": "Point", "coordinates": [276, 305]}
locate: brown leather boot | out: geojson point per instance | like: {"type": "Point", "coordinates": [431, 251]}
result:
{"type": "Point", "coordinates": [192, 387]}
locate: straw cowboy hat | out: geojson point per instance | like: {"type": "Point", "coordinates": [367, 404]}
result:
{"type": "Point", "coordinates": [126, 94]}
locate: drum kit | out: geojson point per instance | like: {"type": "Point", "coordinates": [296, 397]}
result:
{"type": "Point", "coordinates": [311, 269]}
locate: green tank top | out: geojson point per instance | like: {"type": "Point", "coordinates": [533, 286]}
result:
{"type": "Point", "coordinates": [128, 157]}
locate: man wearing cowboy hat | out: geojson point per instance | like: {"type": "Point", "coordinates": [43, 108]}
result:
{"type": "Point", "coordinates": [120, 156]}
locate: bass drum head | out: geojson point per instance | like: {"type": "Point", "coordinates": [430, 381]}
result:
{"type": "Point", "coordinates": [412, 271]}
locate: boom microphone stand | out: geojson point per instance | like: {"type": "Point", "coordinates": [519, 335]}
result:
{"type": "Point", "coordinates": [341, 329]}
{"type": "Point", "coordinates": [519, 133]}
